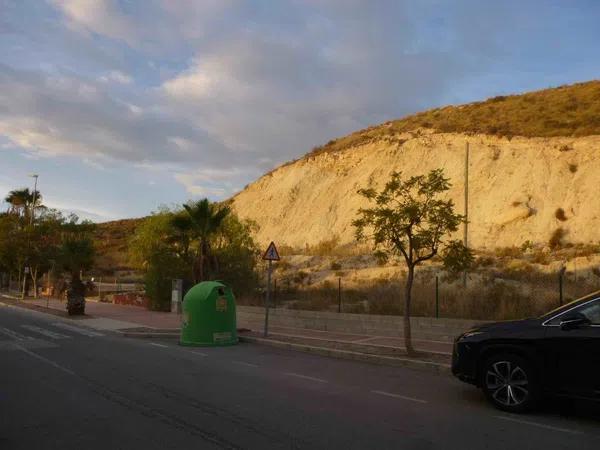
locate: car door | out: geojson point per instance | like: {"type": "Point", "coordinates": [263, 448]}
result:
{"type": "Point", "coordinates": [573, 356]}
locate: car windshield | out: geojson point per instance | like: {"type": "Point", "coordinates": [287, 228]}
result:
{"type": "Point", "coordinates": [570, 305]}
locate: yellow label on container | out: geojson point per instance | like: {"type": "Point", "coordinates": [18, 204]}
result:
{"type": "Point", "coordinates": [221, 304]}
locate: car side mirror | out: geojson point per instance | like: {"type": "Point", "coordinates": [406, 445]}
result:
{"type": "Point", "coordinates": [574, 321]}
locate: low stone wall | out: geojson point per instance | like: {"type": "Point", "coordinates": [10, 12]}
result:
{"type": "Point", "coordinates": [371, 324]}
{"type": "Point", "coordinates": [130, 298]}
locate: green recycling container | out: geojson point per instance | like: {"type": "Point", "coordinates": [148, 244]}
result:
{"type": "Point", "coordinates": [209, 315]}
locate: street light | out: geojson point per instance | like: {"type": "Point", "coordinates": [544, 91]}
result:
{"type": "Point", "coordinates": [27, 269]}
{"type": "Point", "coordinates": [35, 176]}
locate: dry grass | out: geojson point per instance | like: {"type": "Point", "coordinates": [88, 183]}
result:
{"type": "Point", "coordinates": [572, 110]}
{"type": "Point", "coordinates": [506, 290]}
{"type": "Point", "coordinates": [327, 247]}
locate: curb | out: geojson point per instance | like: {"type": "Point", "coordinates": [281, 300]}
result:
{"type": "Point", "coordinates": [144, 335]}
{"type": "Point", "coordinates": [42, 310]}
{"type": "Point", "coordinates": [350, 355]}
{"type": "Point", "coordinates": [355, 344]}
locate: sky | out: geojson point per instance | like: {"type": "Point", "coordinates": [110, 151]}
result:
{"type": "Point", "coordinates": [123, 106]}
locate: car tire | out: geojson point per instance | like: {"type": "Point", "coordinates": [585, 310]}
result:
{"type": "Point", "coordinates": [510, 383]}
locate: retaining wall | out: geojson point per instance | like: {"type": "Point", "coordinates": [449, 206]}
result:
{"type": "Point", "coordinates": [353, 323]}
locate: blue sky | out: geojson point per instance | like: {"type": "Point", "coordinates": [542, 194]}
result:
{"type": "Point", "coordinates": [122, 106]}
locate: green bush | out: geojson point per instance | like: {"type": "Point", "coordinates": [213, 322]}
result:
{"type": "Point", "coordinates": [161, 270]}
{"type": "Point", "coordinates": [556, 240]}
{"type": "Point", "coordinates": [560, 214]}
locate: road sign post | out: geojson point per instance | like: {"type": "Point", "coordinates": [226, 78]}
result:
{"type": "Point", "coordinates": [270, 255]}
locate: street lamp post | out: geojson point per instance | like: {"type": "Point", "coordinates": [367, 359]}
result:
{"type": "Point", "coordinates": [27, 268]}
{"type": "Point", "coordinates": [35, 176]}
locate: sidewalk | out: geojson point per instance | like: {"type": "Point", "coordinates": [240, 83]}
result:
{"type": "Point", "coordinates": [134, 321]}
{"type": "Point", "coordinates": [115, 316]}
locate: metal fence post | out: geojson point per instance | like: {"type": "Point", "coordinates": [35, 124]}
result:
{"type": "Point", "coordinates": [339, 294]}
{"type": "Point", "coordinates": [561, 275]}
{"type": "Point", "coordinates": [437, 297]}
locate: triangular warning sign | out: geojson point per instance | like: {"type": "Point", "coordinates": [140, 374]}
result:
{"type": "Point", "coordinates": [271, 254]}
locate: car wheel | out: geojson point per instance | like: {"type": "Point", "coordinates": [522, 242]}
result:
{"type": "Point", "coordinates": [509, 383]}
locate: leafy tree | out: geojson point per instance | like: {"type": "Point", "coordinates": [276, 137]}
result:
{"type": "Point", "coordinates": [152, 236]}
{"type": "Point", "coordinates": [169, 243]}
{"type": "Point", "coordinates": [154, 249]}
{"type": "Point", "coordinates": [410, 220]}
{"type": "Point", "coordinates": [76, 250]}
{"type": "Point", "coordinates": [237, 254]}
{"type": "Point", "coordinates": [43, 241]}
{"type": "Point", "coordinates": [11, 239]}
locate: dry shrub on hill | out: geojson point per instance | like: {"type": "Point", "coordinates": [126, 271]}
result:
{"type": "Point", "coordinates": [571, 110]}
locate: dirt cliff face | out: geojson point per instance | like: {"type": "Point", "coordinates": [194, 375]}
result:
{"type": "Point", "coordinates": [520, 189]}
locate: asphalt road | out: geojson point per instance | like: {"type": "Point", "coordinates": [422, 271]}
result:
{"type": "Point", "coordinates": [64, 387]}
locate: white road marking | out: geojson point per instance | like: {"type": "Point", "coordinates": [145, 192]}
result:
{"type": "Point", "coordinates": [82, 331]}
{"type": "Point", "coordinates": [159, 345]}
{"type": "Point", "coordinates": [197, 353]}
{"type": "Point", "coordinates": [402, 397]}
{"type": "Point", "coordinates": [305, 377]}
{"type": "Point", "coordinates": [243, 363]}
{"type": "Point", "coordinates": [14, 334]}
{"type": "Point", "coordinates": [48, 333]}
{"type": "Point", "coordinates": [47, 361]}
{"type": "Point", "coordinates": [539, 425]}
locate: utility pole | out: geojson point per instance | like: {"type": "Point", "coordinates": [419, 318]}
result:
{"type": "Point", "coordinates": [466, 224]}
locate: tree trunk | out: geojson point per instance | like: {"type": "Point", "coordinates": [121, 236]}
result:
{"type": "Point", "coordinates": [19, 277]}
{"type": "Point", "coordinates": [34, 281]}
{"type": "Point", "coordinates": [407, 298]}
{"type": "Point", "coordinates": [201, 261]}
{"type": "Point", "coordinates": [76, 295]}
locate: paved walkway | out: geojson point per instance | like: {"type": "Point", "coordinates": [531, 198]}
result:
{"type": "Point", "coordinates": [119, 317]}
{"type": "Point", "coordinates": [431, 346]}
{"type": "Point", "coordinates": [133, 315]}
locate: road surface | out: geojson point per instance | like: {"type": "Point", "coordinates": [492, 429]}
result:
{"type": "Point", "coordinates": [64, 386]}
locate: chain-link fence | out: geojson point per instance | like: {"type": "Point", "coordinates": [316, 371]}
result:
{"type": "Point", "coordinates": [487, 294]}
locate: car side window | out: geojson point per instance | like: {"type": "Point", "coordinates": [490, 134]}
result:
{"type": "Point", "coordinates": [590, 310]}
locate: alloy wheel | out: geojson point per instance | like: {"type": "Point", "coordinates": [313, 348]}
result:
{"type": "Point", "coordinates": [507, 383]}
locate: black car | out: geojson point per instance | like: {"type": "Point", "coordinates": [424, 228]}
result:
{"type": "Point", "coordinates": [517, 362]}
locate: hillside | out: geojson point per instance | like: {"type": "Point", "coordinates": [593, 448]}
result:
{"type": "Point", "coordinates": [111, 242]}
{"type": "Point", "coordinates": [534, 169]}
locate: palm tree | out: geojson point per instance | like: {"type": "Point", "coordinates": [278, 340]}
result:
{"type": "Point", "coordinates": [181, 229]}
{"type": "Point", "coordinates": [21, 201]}
{"type": "Point", "coordinates": [205, 219]}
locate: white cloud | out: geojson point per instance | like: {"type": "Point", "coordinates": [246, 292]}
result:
{"type": "Point", "coordinates": [116, 76]}
{"type": "Point", "coordinates": [152, 25]}
{"type": "Point", "coordinates": [192, 84]}
{"type": "Point", "coordinates": [58, 115]}
{"type": "Point", "coordinates": [261, 85]}
{"type": "Point", "coordinates": [98, 16]}
{"type": "Point", "coordinates": [213, 183]}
